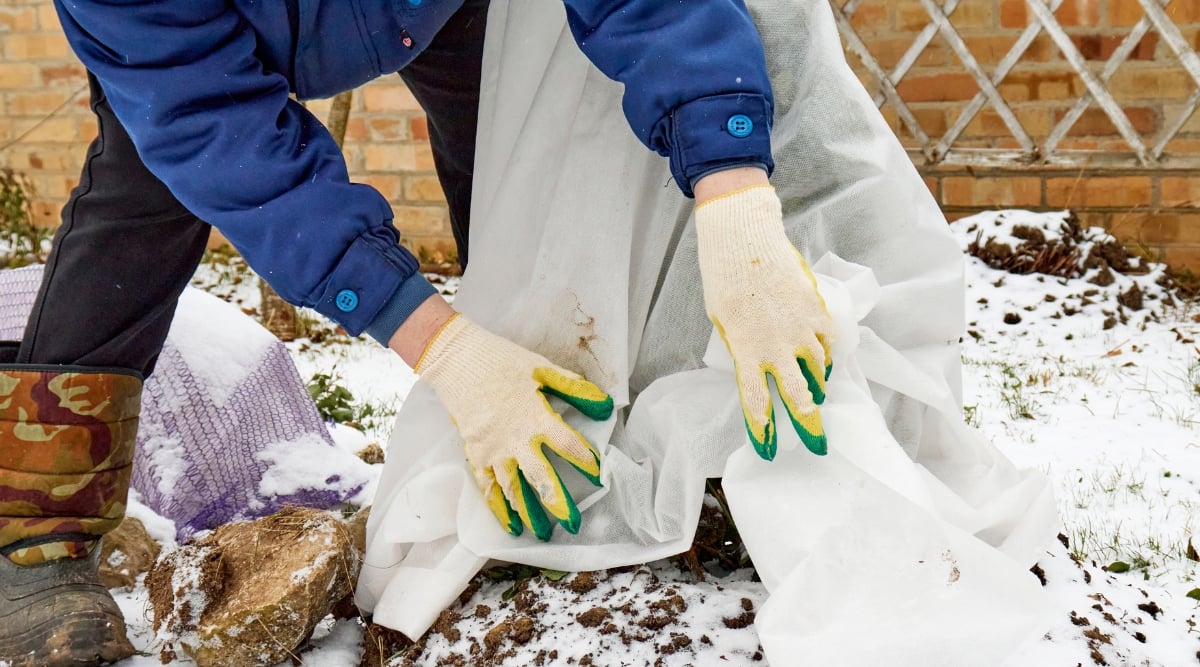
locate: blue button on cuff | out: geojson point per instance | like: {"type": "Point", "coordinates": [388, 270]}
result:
{"type": "Point", "coordinates": [347, 300]}
{"type": "Point", "coordinates": [740, 126]}
{"type": "Point", "coordinates": [412, 293]}
{"type": "Point", "coordinates": [701, 141]}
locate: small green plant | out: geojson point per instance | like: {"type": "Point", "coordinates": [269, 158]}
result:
{"type": "Point", "coordinates": [971, 416]}
{"type": "Point", "coordinates": [1013, 395]}
{"type": "Point", "coordinates": [335, 403]}
{"type": "Point", "coordinates": [21, 241]}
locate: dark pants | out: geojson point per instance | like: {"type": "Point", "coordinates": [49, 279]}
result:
{"type": "Point", "coordinates": [127, 248]}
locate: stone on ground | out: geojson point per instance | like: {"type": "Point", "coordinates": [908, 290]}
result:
{"type": "Point", "coordinates": [251, 593]}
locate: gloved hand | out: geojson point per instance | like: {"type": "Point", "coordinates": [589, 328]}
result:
{"type": "Point", "coordinates": [495, 392]}
{"type": "Point", "coordinates": [762, 297]}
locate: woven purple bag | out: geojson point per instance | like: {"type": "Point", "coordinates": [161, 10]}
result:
{"type": "Point", "coordinates": [227, 429]}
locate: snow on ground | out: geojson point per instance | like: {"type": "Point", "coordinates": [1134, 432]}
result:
{"type": "Point", "coordinates": [1093, 379]}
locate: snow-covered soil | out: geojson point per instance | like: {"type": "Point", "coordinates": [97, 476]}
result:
{"type": "Point", "coordinates": [1092, 377]}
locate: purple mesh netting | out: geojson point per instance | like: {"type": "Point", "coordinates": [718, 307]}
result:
{"type": "Point", "coordinates": [202, 458]}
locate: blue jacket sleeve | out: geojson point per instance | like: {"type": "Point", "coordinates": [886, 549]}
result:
{"type": "Point", "coordinates": [222, 134]}
{"type": "Point", "coordinates": [696, 85]}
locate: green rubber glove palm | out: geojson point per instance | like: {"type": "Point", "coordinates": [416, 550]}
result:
{"type": "Point", "coordinates": [762, 297]}
{"type": "Point", "coordinates": [495, 392]}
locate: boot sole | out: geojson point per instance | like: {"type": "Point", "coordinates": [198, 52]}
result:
{"type": "Point", "coordinates": [74, 638]}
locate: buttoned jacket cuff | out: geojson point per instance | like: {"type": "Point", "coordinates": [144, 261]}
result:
{"type": "Point", "coordinates": [368, 274]}
{"type": "Point", "coordinates": [719, 132]}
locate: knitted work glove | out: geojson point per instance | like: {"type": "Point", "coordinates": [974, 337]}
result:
{"type": "Point", "coordinates": [762, 297]}
{"type": "Point", "coordinates": [495, 392]}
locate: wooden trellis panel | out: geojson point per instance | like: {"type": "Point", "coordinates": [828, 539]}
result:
{"type": "Point", "coordinates": [1143, 152]}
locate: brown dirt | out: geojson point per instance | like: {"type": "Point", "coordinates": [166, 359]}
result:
{"type": "Point", "coordinates": [593, 617]}
{"type": "Point", "coordinates": [1061, 257]}
{"type": "Point", "coordinates": [372, 453]}
{"type": "Point", "coordinates": [381, 644]}
{"type": "Point", "coordinates": [583, 582]}
{"type": "Point", "coordinates": [126, 553]}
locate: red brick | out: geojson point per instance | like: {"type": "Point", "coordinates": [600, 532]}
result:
{"type": "Point", "coordinates": [32, 45]}
{"type": "Point", "coordinates": [870, 18]}
{"type": "Point", "coordinates": [1101, 47]}
{"type": "Point", "coordinates": [69, 74]}
{"type": "Point", "coordinates": [1180, 192]}
{"type": "Point", "coordinates": [1151, 84]}
{"type": "Point", "coordinates": [423, 153]}
{"type": "Point", "coordinates": [1095, 122]}
{"type": "Point", "coordinates": [379, 97]}
{"type": "Point", "coordinates": [973, 15]}
{"type": "Point", "coordinates": [17, 19]}
{"type": "Point", "coordinates": [18, 75]}
{"type": "Point", "coordinates": [998, 192]}
{"type": "Point", "coordinates": [1041, 85]}
{"type": "Point", "coordinates": [54, 130]}
{"type": "Point", "coordinates": [912, 16]}
{"type": "Point", "coordinates": [418, 128]}
{"type": "Point", "coordinates": [1129, 12]}
{"type": "Point", "coordinates": [932, 120]}
{"type": "Point", "coordinates": [888, 52]}
{"type": "Point", "coordinates": [1099, 192]}
{"type": "Point", "coordinates": [386, 128]}
{"type": "Point", "coordinates": [1184, 12]}
{"type": "Point", "coordinates": [35, 102]}
{"type": "Point", "coordinates": [1155, 229]}
{"type": "Point", "coordinates": [989, 49]}
{"type": "Point", "coordinates": [356, 129]}
{"type": "Point", "coordinates": [1015, 13]}
{"type": "Point", "coordinates": [422, 219]}
{"type": "Point", "coordinates": [423, 188]}
{"type": "Point", "coordinates": [47, 16]}
{"type": "Point", "coordinates": [389, 157]}
{"type": "Point", "coordinates": [938, 88]}
{"type": "Point", "coordinates": [1183, 146]}
{"type": "Point", "coordinates": [1183, 257]}
{"type": "Point", "coordinates": [931, 182]}
{"type": "Point", "coordinates": [1034, 120]}
{"type": "Point", "coordinates": [389, 185]}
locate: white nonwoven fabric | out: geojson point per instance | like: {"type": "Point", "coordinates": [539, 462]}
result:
{"type": "Point", "coordinates": [909, 544]}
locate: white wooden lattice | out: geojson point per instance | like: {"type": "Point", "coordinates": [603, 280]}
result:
{"type": "Point", "coordinates": [1032, 153]}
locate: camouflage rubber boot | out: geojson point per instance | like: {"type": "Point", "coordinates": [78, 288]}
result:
{"type": "Point", "coordinates": [66, 451]}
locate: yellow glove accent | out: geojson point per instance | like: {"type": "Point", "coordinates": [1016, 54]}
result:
{"type": "Point", "coordinates": [495, 392]}
{"type": "Point", "coordinates": [762, 297]}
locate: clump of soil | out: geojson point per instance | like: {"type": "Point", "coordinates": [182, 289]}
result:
{"type": "Point", "coordinates": [127, 553]}
{"type": "Point", "coordinates": [593, 617]}
{"type": "Point", "coordinates": [381, 644]}
{"type": "Point", "coordinates": [1072, 253]}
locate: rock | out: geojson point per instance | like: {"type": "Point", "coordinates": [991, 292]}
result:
{"type": "Point", "coordinates": [126, 553]}
{"type": "Point", "coordinates": [274, 579]}
{"type": "Point", "coordinates": [358, 528]}
{"type": "Point", "coordinates": [182, 585]}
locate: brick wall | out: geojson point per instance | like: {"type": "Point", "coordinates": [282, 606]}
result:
{"type": "Point", "coordinates": [1156, 209]}
{"type": "Point", "coordinates": [45, 124]}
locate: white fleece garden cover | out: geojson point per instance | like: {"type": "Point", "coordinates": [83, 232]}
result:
{"type": "Point", "coordinates": [909, 544]}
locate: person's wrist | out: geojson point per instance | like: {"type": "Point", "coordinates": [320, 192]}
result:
{"type": "Point", "coordinates": [419, 330]}
{"type": "Point", "coordinates": [723, 182]}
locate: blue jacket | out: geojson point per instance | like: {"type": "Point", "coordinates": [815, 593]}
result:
{"type": "Point", "coordinates": [202, 88]}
